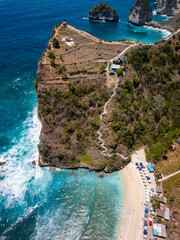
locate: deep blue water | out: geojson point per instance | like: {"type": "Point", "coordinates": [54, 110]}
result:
{"type": "Point", "coordinates": [36, 203]}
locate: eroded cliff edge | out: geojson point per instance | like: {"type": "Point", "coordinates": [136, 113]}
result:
{"type": "Point", "coordinates": [72, 87]}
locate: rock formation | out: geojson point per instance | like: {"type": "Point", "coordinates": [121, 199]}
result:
{"type": "Point", "coordinates": [140, 13]}
{"type": "Point", "coordinates": [168, 7]}
{"type": "Point", "coordinates": [103, 12]}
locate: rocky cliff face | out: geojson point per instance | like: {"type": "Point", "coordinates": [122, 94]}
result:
{"type": "Point", "coordinates": [168, 7]}
{"type": "Point", "coordinates": [103, 12]}
{"type": "Point", "coordinates": [140, 13]}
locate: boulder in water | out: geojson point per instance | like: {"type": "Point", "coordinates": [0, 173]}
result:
{"type": "Point", "coordinates": [103, 12]}
{"type": "Point", "coordinates": [2, 163]}
{"type": "Point", "coordinates": [140, 13]}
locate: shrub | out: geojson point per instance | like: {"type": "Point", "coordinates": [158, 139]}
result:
{"type": "Point", "coordinates": [119, 72]}
{"type": "Point", "coordinates": [56, 43]}
{"type": "Point", "coordinates": [61, 69]}
{"type": "Point", "coordinates": [51, 55]}
{"type": "Point", "coordinates": [53, 64]}
{"type": "Point", "coordinates": [64, 76]}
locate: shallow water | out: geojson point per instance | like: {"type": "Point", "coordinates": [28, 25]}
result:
{"type": "Point", "coordinates": [36, 203]}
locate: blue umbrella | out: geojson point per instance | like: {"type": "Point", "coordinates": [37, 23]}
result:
{"type": "Point", "coordinates": [145, 232]}
{"type": "Point", "coordinates": [152, 189]}
{"type": "Point", "coordinates": [140, 169]}
{"type": "Point", "coordinates": [145, 223]}
{"type": "Point", "coordinates": [145, 215]}
{"type": "Point", "coordinates": [146, 210]}
{"type": "Point", "coordinates": [148, 178]}
{"type": "Point", "coordinates": [136, 163]}
{"type": "Point", "coordinates": [141, 163]}
{"type": "Point", "coordinates": [146, 204]}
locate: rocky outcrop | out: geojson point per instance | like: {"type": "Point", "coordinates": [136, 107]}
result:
{"type": "Point", "coordinates": [2, 163]}
{"type": "Point", "coordinates": [168, 7]}
{"type": "Point", "coordinates": [103, 12]}
{"type": "Point", "coordinates": [140, 13]}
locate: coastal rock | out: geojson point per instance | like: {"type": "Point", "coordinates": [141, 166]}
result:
{"type": "Point", "coordinates": [140, 13]}
{"type": "Point", "coordinates": [2, 163]}
{"type": "Point", "coordinates": [103, 12]}
{"type": "Point", "coordinates": [168, 7]}
{"type": "Point", "coordinates": [34, 163]}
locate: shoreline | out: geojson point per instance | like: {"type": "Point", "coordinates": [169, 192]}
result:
{"type": "Point", "coordinates": [131, 225]}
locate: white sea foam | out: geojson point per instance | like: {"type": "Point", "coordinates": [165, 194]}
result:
{"type": "Point", "coordinates": [18, 170]}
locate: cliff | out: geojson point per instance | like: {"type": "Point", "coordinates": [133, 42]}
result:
{"type": "Point", "coordinates": [140, 13]}
{"type": "Point", "coordinates": [103, 12]}
{"type": "Point", "coordinates": [168, 7]}
{"type": "Point", "coordinates": [72, 88]}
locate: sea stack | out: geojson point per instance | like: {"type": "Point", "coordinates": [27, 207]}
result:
{"type": "Point", "coordinates": [168, 7]}
{"type": "Point", "coordinates": [103, 12]}
{"type": "Point", "coordinates": [140, 13]}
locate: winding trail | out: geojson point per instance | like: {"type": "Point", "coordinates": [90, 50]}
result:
{"type": "Point", "coordinates": [105, 151]}
{"type": "Point", "coordinates": [164, 178]}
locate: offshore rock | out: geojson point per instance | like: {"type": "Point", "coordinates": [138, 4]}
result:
{"type": "Point", "coordinates": [140, 13]}
{"type": "Point", "coordinates": [168, 7]}
{"type": "Point", "coordinates": [103, 12]}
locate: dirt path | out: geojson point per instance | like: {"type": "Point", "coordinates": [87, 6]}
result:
{"type": "Point", "coordinates": [164, 178]}
{"type": "Point", "coordinates": [102, 141]}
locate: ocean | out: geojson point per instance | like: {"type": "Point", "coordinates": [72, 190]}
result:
{"type": "Point", "coordinates": [37, 203]}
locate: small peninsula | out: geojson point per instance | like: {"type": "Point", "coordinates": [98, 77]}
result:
{"type": "Point", "coordinates": [140, 13]}
{"type": "Point", "coordinates": [103, 12]}
{"type": "Point", "coordinates": [94, 117]}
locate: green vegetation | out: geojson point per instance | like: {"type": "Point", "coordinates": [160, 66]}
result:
{"type": "Point", "coordinates": [78, 107]}
{"type": "Point", "coordinates": [119, 72]}
{"type": "Point", "coordinates": [147, 105]}
{"type": "Point", "coordinates": [52, 62]}
{"type": "Point", "coordinates": [51, 55]}
{"type": "Point", "coordinates": [55, 43]}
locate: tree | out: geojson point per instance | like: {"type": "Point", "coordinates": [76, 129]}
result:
{"type": "Point", "coordinates": [119, 72]}
{"type": "Point", "coordinates": [56, 43]}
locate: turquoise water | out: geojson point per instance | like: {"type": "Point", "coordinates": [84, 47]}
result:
{"type": "Point", "coordinates": [36, 203]}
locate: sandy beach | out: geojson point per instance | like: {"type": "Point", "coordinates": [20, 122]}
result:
{"type": "Point", "coordinates": [131, 227]}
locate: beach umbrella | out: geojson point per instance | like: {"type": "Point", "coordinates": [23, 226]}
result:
{"type": "Point", "coordinates": [146, 210]}
{"type": "Point", "coordinates": [150, 223]}
{"type": "Point", "coordinates": [144, 170]}
{"type": "Point", "coordinates": [147, 200]}
{"type": "Point", "coordinates": [145, 219]}
{"type": "Point", "coordinates": [145, 236]}
{"type": "Point", "coordinates": [153, 213]}
{"type": "Point", "coordinates": [145, 232]}
{"type": "Point", "coordinates": [148, 178]}
{"type": "Point", "coordinates": [145, 227]}
{"type": "Point", "coordinates": [151, 209]}
{"type": "Point", "coordinates": [152, 189]}
{"type": "Point", "coordinates": [150, 219]}
{"type": "Point", "coordinates": [136, 163]}
{"type": "Point", "coordinates": [151, 238]}
{"type": "Point", "coordinates": [145, 215]}
{"type": "Point", "coordinates": [149, 181]}
{"type": "Point", "coordinates": [146, 204]}
{"type": "Point", "coordinates": [145, 223]}
{"type": "Point", "coordinates": [145, 184]}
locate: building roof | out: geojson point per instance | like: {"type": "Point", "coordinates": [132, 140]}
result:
{"type": "Point", "coordinates": [158, 189]}
{"type": "Point", "coordinates": [160, 213]}
{"type": "Point", "coordinates": [160, 199]}
{"type": "Point", "coordinates": [150, 167]}
{"type": "Point", "coordinates": [115, 66]}
{"type": "Point", "coordinates": [166, 214]}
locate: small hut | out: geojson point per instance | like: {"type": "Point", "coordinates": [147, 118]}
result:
{"type": "Point", "coordinates": [64, 23]}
